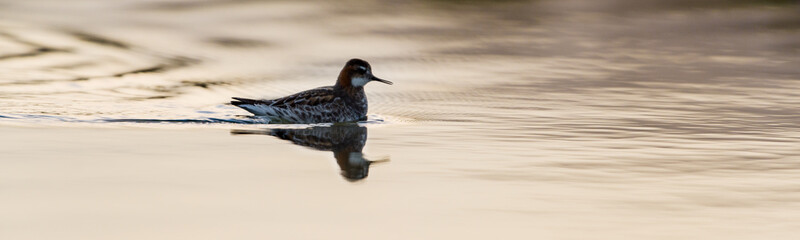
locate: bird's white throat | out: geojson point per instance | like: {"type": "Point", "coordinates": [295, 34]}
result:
{"type": "Point", "coordinates": [359, 81]}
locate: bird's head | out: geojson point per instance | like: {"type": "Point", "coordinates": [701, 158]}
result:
{"type": "Point", "coordinates": [357, 73]}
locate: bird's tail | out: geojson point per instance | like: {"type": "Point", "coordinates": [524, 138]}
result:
{"type": "Point", "coordinates": [241, 101]}
{"type": "Point", "coordinates": [257, 107]}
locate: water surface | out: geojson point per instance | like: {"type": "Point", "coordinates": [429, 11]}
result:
{"type": "Point", "coordinates": [512, 119]}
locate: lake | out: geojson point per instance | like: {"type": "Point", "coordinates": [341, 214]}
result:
{"type": "Point", "coordinates": [576, 119]}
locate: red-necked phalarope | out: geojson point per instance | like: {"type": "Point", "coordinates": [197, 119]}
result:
{"type": "Point", "coordinates": [343, 102]}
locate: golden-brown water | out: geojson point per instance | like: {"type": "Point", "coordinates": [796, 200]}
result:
{"type": "Point", "coordinates": [611, 119]}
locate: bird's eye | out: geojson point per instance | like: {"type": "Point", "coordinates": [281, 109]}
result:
{"type": "Point", "coordinates": [361, 69]}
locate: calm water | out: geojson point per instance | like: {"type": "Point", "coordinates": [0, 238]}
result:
{"type": "Point", "coordinates": [611, 119]}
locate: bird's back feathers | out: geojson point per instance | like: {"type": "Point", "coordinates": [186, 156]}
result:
{"type": "Point", "coordinates": [316, 105]}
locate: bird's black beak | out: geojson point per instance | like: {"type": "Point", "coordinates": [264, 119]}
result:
{"type": "Point", "coordinates": [374, 78]}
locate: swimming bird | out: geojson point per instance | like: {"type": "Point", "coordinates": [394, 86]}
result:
{"type": "Point", "coordinates": [343, 102]}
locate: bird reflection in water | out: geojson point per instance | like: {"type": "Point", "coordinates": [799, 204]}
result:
{"type": "Point", "coordinates": [345, 141]}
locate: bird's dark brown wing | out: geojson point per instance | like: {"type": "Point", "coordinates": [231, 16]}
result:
{"type": "Point", "coordinates": [311, 97]}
